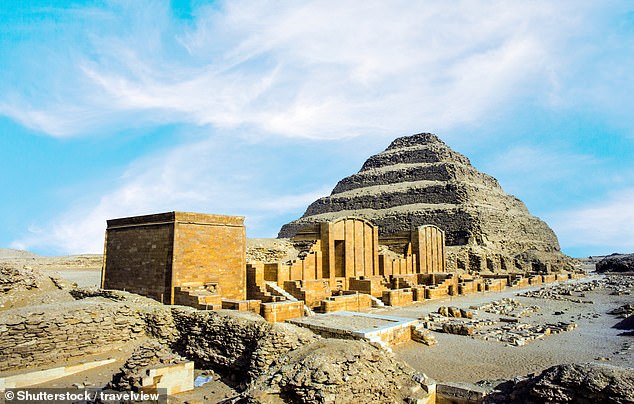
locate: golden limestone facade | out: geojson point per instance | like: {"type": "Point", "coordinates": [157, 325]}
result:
{"type": "Point", "coordinates": [199, 260]}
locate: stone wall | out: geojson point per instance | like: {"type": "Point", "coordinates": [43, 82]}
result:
{"type": "Point", "coordinates": [398, 297]}
{"type": "Point", "coordinates": [138, 258]}
{"type": "Point", "coordinates": [352, 302]}
{"type": "Point", "coordinates": [151, 255]}
{"type": "Point", "coordinates": [51, 335]}
{"type": "Point", "coordinates": [235, 341]}
{"type": "Point", "coordinates": [211, 249]}
{"type": "Point", "coordinates": [281, 311]}
{"type": "Point", "coordinates": [229, 341]}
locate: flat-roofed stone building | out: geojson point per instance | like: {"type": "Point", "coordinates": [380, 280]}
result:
{"type": "Point", "coordinates": [170, 256]}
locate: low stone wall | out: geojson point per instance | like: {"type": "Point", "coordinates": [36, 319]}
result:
{"type": "Point", "coordinates": [535, 280]}
{"type": "Point", "coordinates": [436, 292]}
{"type": "Point", "coordinates": [368, 285]}
{"type": "Point", "coordinates": [353, 302]}
{"type": "Point", "coordinates": [495, 285]}
{"type": "Point", "coordinates": [242, 305]}
{"type": "Point", "coordinates": [281, 311]}
{"type": "Point", "coordinates": [50, 335]}
{"type": "Point", "coordinates": [418, 293]}
{"type": "Point", "coordinates": [466, 288]}
{"type": "Point", "coordinates": [398, 297]}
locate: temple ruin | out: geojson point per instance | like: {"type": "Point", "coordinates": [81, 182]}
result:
{"type": "Point", "coordinates": [199, 260]}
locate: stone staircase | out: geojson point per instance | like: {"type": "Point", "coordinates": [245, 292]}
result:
{"type": "Point", "coordinates": [376, 302]}
{"type": "Point", "coordinates": [197, 296]}
{"type": "Point", "coordinates": [274, 288]}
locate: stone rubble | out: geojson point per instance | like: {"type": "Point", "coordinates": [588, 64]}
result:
{"type": "Point", "coordinates": [454, 312]}
{"type": "Point", "coordinates": [575, 292]}
{"type": "Point", "coordinates": [508, 307]}
{"type": "Point", "coordinates": [423, 335]}
{"type": "Point", "coordinates": [507, 330]}
{"type": "Point", "coordinates": [148, 355]}
{"type": "Point", "coordinates": [519, 334]}
{"type": "Point", "coordinates": [623, 311]}
{"type": "Point", "coordinates": [571, 383]}
{"type": "Point", "coordinates": [332, 370]}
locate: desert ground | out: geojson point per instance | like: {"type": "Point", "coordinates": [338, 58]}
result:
{"type": "Point", "coordinates": [455, 358]}
{"type": "Point", "coordinates": [459, 358]}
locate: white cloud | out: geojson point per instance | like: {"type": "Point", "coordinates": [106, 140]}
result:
{"type": "Point", "coordinates": [205, 176]}
{"type": "Point", "coordinates": [607, 223]}
{"type": "Point", "coordinates": [319, 69]}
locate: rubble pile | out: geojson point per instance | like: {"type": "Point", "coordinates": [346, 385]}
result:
{"type": "Point", "coordinates": [12, 277]}
{"type": "Point", "coordinates": [519, 334]}
{"type": "Point", "coordinates": [508, 307]}
{"type": "Point", "coordinates": [146, 356]}
{"type": "Point", "coordinates": [571, 383]}
{"type": "Point", "coordinates": [332, 370]}
{"type": "Point", "coordinates": [440, 323]}
{"type": "Point", "coordinates": [616, 263]}
{"type": "Point", "coordinates": [423, 335]}
{"type": "Point", "coordinates": [576, 292]}
{"type": "Point", "coordinates": [454, 312]}
{"type": "Point", "coordinates": [508, 330]}
{"type": "Point", "coordinates": [619, 284]}
{"type": "Point", "coordinates": [565, 291]}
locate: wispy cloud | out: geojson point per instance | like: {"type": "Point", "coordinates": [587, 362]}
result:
{"type": "Point", "coordinates": [255, 71]}
{"type": "Point", "coordinates": [531, 171]}
{"type": "Point", "coordinates": [319, 69]}
{"type": "Point", "coordinates": [204, 176]}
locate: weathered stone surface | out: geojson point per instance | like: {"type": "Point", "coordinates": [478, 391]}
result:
{"type": "Point", "coordinates": [18, 278]}
{"type": "Point", "coordinates": [235, 341]}
{"type": "Point", "coordinates": [616, 263]}
{"type": "Point", "coordinates": [574, 383]}
{"type": "Point", "coordinates": [149, 354]}
{"type": "Point", "coordinates": [329, 371]}
{"type": "Point", "coordinates": [419, 180]}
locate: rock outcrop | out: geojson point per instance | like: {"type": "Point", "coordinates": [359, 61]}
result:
{"type": "Point", "coordinates": [331, 370]}
{"type": "Point", "coordinates": [616, 263]}
{"type": "Point", "coordinates": [574, 383]}
{"type": "Point", "coordinates": [419, 180]}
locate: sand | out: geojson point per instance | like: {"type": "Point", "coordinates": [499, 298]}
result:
{"type": "Point", "coordinates": [465, 359]}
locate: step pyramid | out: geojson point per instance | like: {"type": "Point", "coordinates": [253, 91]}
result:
{"type": "Point", "coordinates": [419, 180]}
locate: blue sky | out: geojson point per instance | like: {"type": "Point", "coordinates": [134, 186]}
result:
{"type": "Point", "coordinates": [255, 108]}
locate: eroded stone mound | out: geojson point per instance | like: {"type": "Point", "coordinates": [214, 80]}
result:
{"type": "Point", "coordinates": [574, 383]}
{"type": "Point", "coordinates": [331, 370]}
{"type": "Point", "coordinates": [19, 278]}
{"type": "Point", "coordinates": [270, 250]}
{"type": "Point", "coordinates": [240, 343]}
{"type": "Point", "coordinates": [419, 180]}
{"type": "Point", "coordinates": [616, 263]}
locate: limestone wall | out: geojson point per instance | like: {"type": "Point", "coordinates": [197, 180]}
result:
{"type": "Point", "coordinates": [151, 255]}
{"type": "Point", "coordinates": [52, 335]}
{"type": "Point", "coordinates": [210, 249]}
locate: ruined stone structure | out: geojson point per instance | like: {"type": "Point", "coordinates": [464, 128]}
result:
{"type": "Point", "coordinates": [419, 180]}
{"type": "Point", "coordinates": [200, 261]}
{"type": "Point", "coordinates": [342, 256]}
{"type": "Point", "coordinates": [177, 257]}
